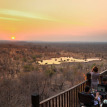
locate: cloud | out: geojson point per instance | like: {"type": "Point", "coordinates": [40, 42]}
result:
{"type": "Point", "coordinates": [24, 14]}
{"type": "Point", "coordinates": [13, 19]}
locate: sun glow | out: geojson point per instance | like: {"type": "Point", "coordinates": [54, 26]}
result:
{"type": "Point", "coordinates": [12, 37]}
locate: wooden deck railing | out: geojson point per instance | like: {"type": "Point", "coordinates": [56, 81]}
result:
{"type": "Point", "coordinates": [68, 98]}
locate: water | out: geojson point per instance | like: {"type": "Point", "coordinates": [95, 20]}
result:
{"type": "Point", "coordinates": [65, 60]}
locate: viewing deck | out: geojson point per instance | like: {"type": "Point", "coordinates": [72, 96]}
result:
{"type": "Point", "coordinates": [67, 98]}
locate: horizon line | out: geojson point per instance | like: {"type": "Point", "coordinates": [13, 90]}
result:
{"type": "Point", "coordinates": [54, 41]}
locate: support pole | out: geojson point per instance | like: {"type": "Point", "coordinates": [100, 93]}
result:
{"type": "Point", "coordinates": [35, 100]}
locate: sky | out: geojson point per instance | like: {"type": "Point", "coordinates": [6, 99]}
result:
{"type": "Point", "coordinates": [54, 20]}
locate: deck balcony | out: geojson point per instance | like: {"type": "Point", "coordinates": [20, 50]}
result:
{"type": "Point", "coordinates": [67, 98]}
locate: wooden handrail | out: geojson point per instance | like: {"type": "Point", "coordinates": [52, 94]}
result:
{"type": "Point", "coordinates": [103, 72]}
{"type": "Point", "coordinates": [61, 93]}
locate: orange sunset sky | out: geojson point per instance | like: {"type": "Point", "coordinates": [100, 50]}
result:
{"type": "Point", "coordinates": [53, 20]}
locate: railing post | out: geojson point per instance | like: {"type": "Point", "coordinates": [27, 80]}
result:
{"type": "Point", "coordinates": [100, 79]}
{"type": "Point", "coordinates": [35, 100]}
{"type": "Point", "coordinates": [88, 75]}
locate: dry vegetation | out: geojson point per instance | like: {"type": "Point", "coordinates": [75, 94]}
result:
{"type": "Point", "coordinates": [21, 75]}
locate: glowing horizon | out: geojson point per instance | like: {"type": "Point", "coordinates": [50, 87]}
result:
{"type": "Point", "coordinates": [52, 20]}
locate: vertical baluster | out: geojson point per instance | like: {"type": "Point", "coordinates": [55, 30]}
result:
{"type": "Point", "coordinates": [68, 99]}
{"type": "Point", "coordinates": [56, 101]}
{"type": "Point", "coordinates": [80, 88]}
{"type": "Point", "coordinates": [53, 102]}
{"type": "Point", "coordinates": [72, 97]}
{"type": "Point", "coordinates": [41, 105]}
{"type": "Point", "coordinates": [73, 100]}
{"type": "Point", "coordinates": [49, 103]}
{"type": "Point", "coordinates": [83, 86]}
{"type": "Point", "coordinates": [76, 96]}
{"type": "Point", "coordinates": [62, 100]}
{"type": "Point", "coordinates": [100, 79]}
{"type": "Point", "coordinates": [46, 104]}
{"type": "Point", "coordinates": [59, 101]}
